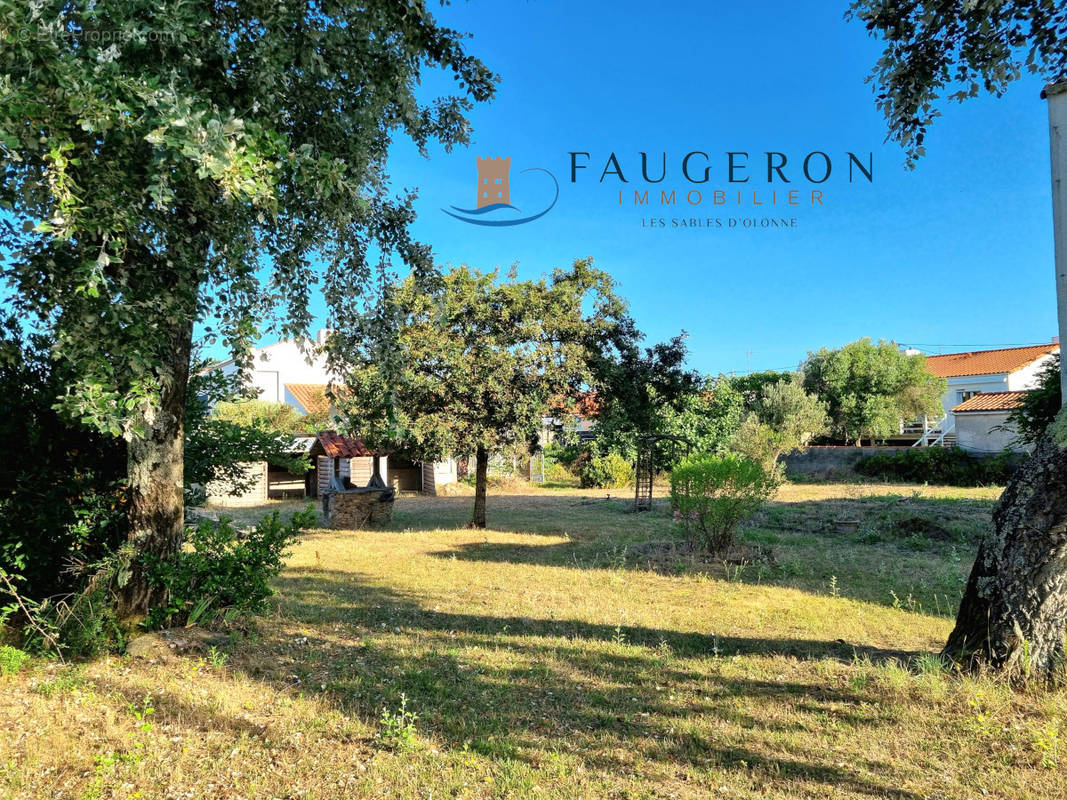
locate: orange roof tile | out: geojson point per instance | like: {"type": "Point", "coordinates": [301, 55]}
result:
{"type": "Point", "coordinates": [991, 401]}
{"type": "Point", "coordinates": [987, 362]}
{"type": "Point", "coordinates": [337, 446]}
{"type": "Point", "coordinates": [311, 396]}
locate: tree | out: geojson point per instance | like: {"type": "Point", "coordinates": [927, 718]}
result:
{"type": "Point", "coordinates": [934, 45]}
{"type": "Point", "coordinates": [1014, 610]}
{"type": "Point", "coordinates": [869, 388]}
{"type": "Point", "coordinates": [466, 362]}
{"type": "Point", "coordinates": [167, 162]}
{"type": "Point", "coordinates": [1040, 406]}
{"type": "Point", "coordinates": [279, 417]}
{"type": "Point", "coordinates": [784, 420]}
{"type": "Point", "coordinates": [639, 390]}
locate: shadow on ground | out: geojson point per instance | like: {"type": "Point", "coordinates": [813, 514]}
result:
{"type": "Point", "coordinates": [608, 696]}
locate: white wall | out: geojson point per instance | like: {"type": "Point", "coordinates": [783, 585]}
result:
{"type": "Point", "coordinates": [275, 365]}
{"type": "Point", "coordinates": [975, 432]}
{"type": "Point", "coordinates": [1026, 378]}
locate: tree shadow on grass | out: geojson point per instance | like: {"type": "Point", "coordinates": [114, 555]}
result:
{"type": "Point", "coordinates": [514, 688]}
{"type": "Point", "coordinates": [893, 550]}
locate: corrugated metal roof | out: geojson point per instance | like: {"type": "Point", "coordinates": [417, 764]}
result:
{"type": "Point", "coordinates": [987, 362]}
{"type": "Point", "coordinates": [991, 401]}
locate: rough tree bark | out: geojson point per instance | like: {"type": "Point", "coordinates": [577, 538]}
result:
{"type": "Point", "coordinates": [481, 479]}
{"type": "Point", "coordinates": [1014, 609]}
{"type": "Point", "coordinates": [156, 507]}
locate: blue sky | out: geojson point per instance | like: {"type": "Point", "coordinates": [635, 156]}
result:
{"type": "Point", "coordinates": [954, 254]}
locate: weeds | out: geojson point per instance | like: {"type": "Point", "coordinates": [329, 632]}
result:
{"type": "Point", "coordinates": [396, 729]}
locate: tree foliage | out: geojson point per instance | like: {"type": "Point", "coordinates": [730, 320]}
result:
{"type": "Point", "coordinates": [975, 46]}
{"type": "Point", "coordinates": [468, 363]}
{"type": "Point", "coordinates": [167, 162]}
{"type": "Point", "coordinates": [1040, 405]}
{"type": "Point", "coordinates": [712, 494]}
{"type": "Point", "coordinates": [870, 388]}
{"type": "Point", "coordinates": [783, 420]}
{"type": "Point", "coordinates": [62, 497]}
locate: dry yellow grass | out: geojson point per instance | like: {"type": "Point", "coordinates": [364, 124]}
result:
{"type": "Point", "coordinates": [544, 660]}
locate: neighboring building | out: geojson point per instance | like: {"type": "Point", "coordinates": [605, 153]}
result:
{"type": "Point", "coordinates": [968, 375]}
{"type": "Point", "coordinates": [1012, 369]}
{"type": "Point", "coordinates": [285, 372]}
{"type": "Point", "coordinates": [982, 422]}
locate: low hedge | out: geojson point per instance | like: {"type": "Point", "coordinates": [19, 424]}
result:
{"type": "Point", "coordinates": [948, 466]}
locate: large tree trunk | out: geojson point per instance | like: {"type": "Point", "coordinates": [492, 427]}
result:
{"type": "Point", "coordinates": [156, 506]}
{"type": "Point", "coordinates": [481, 480]}
{"type": "Point", "coordinates": [1014, 608]}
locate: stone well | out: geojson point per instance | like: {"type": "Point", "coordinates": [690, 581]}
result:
{"type": "Point", "coordinates": [353, 509]}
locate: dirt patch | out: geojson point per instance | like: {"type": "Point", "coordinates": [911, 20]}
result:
{"type": "Point", "coordinates": [669, 556]}
{"type": "Point", "coordinates": [912, 525]}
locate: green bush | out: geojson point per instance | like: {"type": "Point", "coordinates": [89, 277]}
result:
{"type": "Point", "coordinates": [222, 571]}
{"type": "Point", "coordinates": [605, 472]}
{"type": "Point", "coordinates": [712, 494]}
{"type": "Point", "coordinates": [12, 659]}
{"type": "Point", "coordinates": [948, 466]}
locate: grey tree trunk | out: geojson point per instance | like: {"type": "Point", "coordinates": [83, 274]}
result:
{"type": "Point", "coordinates": [1012, 617]}
{"type": "Point", "coordinates": [156, 507]}
{"type": "Point", "coordinates": [481, 480]}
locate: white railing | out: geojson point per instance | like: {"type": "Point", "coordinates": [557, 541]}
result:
{"type": "Point", "coordinates": [937, 431]}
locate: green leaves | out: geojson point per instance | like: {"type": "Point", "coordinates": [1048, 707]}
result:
{"type": "Point", "coordinates": [931, 45]}
{"type": "Point", "coordinates": [870, 388]}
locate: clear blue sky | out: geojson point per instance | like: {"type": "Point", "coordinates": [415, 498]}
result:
{"type": "Point", "coordinates": [957, 252]}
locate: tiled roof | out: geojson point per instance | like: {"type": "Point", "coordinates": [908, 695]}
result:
{"type": "Point", "coordinates": [311, 396]}
{"type": "Point", "coordinates": [337, 446]}
{"type": "Point", "coordinates": [987, 362]}
{"type": "Point", "coordinates": [991, 401]}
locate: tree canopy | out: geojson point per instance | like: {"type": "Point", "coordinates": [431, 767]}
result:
{"type": "Point", "coordinates": [163, 163]}
{"type": "Point", "coordinates": [466, 362]}
{"type": "Point", "coordinates": [932, 45]}
{"type": "Point", "coordinates": [870, 388]}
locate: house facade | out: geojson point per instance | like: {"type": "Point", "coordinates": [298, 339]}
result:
{"type": "Point", "coordinates": [983, 386]}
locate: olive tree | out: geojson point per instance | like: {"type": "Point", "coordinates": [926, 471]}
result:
{"type": "Point", "coordinates": [162, 163]}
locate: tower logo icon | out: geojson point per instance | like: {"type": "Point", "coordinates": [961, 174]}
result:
{"type": "Point", "coordinates": [493, 206]}
{"type": "Point", "coordinates": [493, 185]}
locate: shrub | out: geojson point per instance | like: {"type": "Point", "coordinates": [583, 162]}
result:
{"type": "Point", "coordinates": [948, 466]}
{"type": "Point", "coordinates": [222, 571]}
{"type": "Point", "coordinates": [712, 494]}
{"type": "Point", "coordinates": [12, 659]}
{"type": "Point", "coordinates": [606, 472]}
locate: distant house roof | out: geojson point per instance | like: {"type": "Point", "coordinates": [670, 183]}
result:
{"type": "Point", "coordinates": [991, 401]}
{"type": "Point", "coordinates": [987, 362]}
{"type": "Point", "coordinates": [334, 445]}
{"type": "Point", "coordinates": [311, 397]}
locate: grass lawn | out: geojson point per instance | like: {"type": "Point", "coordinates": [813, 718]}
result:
{"type": "Point", "coordinates": [560, 655]}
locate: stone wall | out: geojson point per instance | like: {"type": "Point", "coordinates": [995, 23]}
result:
{"type": "Point", "coordinates": [356, 510]}
{"type": "Point", "coordinates": [829, 461]}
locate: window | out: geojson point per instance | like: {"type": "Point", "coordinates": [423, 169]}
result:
{"type": "Point", "coordinates": [499, 180]}
{"type": "Point", "coordinates": [962, 396]}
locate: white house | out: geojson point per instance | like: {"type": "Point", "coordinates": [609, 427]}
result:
{"type": "Point", "coordinates": [295, 373]}
{"type": "Point", "coordinates": [983, 387]}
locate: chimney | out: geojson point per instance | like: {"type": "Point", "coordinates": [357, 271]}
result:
{"type": "Point", "coordinates": [1055, 339]}
{"type": "Point", "coordinates": [322, 335]}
